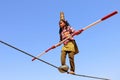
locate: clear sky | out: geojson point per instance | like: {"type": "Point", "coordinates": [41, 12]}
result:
{"type": "Point", "coordinates": [32, 25]}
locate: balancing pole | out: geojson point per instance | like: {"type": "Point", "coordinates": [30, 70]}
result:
{"type": "Point", "coordinates": [76, 33]}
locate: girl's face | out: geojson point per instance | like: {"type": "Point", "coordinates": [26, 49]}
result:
{"type": "Point", "coordinates": [61, 24]}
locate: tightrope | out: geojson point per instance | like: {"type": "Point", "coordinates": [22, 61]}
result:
{"type": "Point", "coordinates": [48, 62]}
{"type": "Point", "coordinates": [27, 53]}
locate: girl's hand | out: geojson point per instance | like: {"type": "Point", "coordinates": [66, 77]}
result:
{"type": "Point", "coordinates": [77, 32]}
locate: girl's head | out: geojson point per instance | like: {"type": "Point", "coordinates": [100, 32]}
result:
{"type": "Point", "coordinates": [63, 23]}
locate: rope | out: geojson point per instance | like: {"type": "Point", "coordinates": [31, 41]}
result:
{"type": "Point", "coordinates": [28, 54]}
{"type": "Point", "coordinates": [48, 62]}
{"type": "Point", "coordinates": [91, 77]}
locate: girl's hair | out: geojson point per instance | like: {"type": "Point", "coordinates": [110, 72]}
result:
{"type": "Point", "coordinates": [60, 30]}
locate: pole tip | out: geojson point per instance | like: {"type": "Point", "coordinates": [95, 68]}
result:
{"type": "Point", "coordinates": [34, 59]}
{"type": "Point", "coordinates": [109, 15]}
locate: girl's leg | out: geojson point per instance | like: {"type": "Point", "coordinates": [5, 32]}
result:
{"type": "Point", "coordinates": [71, 60]}
{"type": "Point", "coordinates": [63, 57]}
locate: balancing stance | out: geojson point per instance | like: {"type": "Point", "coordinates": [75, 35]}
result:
{"type": "Point", "coordinates": [70, 46]}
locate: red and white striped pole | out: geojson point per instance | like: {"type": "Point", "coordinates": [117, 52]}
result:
{"type": "Point", "coordinates": [76, 33]}
{"type": "Point", "coordinates": [100, 20]}
{"type": "Point", "coordinates": [96, 22]}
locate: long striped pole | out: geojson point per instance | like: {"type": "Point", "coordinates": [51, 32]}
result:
{"type": "Point", "coordinates": [76, 33]}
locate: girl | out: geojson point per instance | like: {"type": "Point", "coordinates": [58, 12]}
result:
{"type": "Point", "coordinates": [70, 46]}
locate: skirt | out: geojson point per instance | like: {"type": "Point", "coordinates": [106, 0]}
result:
{"type": "Point", "coordinates": [71, 46]}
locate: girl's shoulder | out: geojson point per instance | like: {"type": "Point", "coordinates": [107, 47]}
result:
{"type": "Point", "coordinates": [70, 28]}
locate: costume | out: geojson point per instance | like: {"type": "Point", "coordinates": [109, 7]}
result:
{"type": "Point", "coordinates": [70, 47]}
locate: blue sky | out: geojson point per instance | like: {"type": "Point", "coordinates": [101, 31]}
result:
{"type": "Point", "coordinates": [32, 25]}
